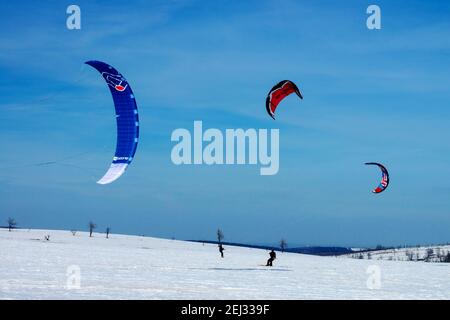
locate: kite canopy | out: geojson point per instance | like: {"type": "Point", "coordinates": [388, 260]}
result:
{"type": "Point", "coordinates": [278, 93]}
{"type": "Point", "coordinates": [384, 177]}
{"type": "Point", "coordinates": [126, 117]}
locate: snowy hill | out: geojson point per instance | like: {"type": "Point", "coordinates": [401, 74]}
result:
{"type": "Point", "coordinates": [132, 267]}
{"type": "Point", "coordinates": [423, 253]}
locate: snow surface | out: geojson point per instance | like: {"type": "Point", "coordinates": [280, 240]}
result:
{"type": "Point", "coordinates": [133, 267]}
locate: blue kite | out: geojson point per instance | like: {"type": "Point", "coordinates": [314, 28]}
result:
{"type": "Point", "coordinates": [127, 119]}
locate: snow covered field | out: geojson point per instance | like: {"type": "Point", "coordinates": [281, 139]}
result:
{"type": "Point", "coordinates": [132, 267]}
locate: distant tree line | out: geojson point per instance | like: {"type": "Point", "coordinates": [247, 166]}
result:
{"type": "Point", "coordinates": [12, 224]}
{"type": "Point", "coordinates": [429, 255]}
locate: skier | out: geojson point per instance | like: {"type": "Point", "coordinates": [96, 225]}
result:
{"type": "Point", "coordinates": [221, 249]}
{"type": "Point", "coordinates": [273, 256]}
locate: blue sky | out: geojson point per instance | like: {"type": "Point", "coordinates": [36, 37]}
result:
{"type": "Point", "coordinates": [369, 96]}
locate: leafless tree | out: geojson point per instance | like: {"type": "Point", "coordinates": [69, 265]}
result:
{"type": "Point", "coordinates": [92, 226]}
{"type": "Point", "coordinates": [283, 245]}
{"type": "Point", "coordinates": [428, 255]}
{"type": "Point", "coordinates": [12, 224]}
{"type": "Point", "coordinates": [446, 258]}
{"type": "Point", "coordinates": [409, 255]}
{"type": "Point", "coordinates": [220, 236]}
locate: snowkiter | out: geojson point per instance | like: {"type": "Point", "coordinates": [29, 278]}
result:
{"type": "Point", "coordinates": [273, 256]}
{"type": "Point", "coordinates": [221, 249]}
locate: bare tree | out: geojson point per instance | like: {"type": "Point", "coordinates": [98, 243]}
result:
{"type": "Point", "coordinates": [108, 229]}
{"type": "Point", "coordinates": [283, 245]}
{"type": "Point", "coordinates": [220, 235]}
{"type": "Point", "coordinates": [409, 255]}
{"type": "Point", "coordinates": [446, 258]}
{"type": "Point", "coordinates": [429, 253]}
{"type": "Point", "coordinates": [12, 224]}
{"type": "Point", "coordinates": [92, 226]}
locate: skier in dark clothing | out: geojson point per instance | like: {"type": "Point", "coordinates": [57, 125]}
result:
{"type": "Point", "coordinates": [221, 249]}
{"type": "Point", "coordinates": [273, 256]}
